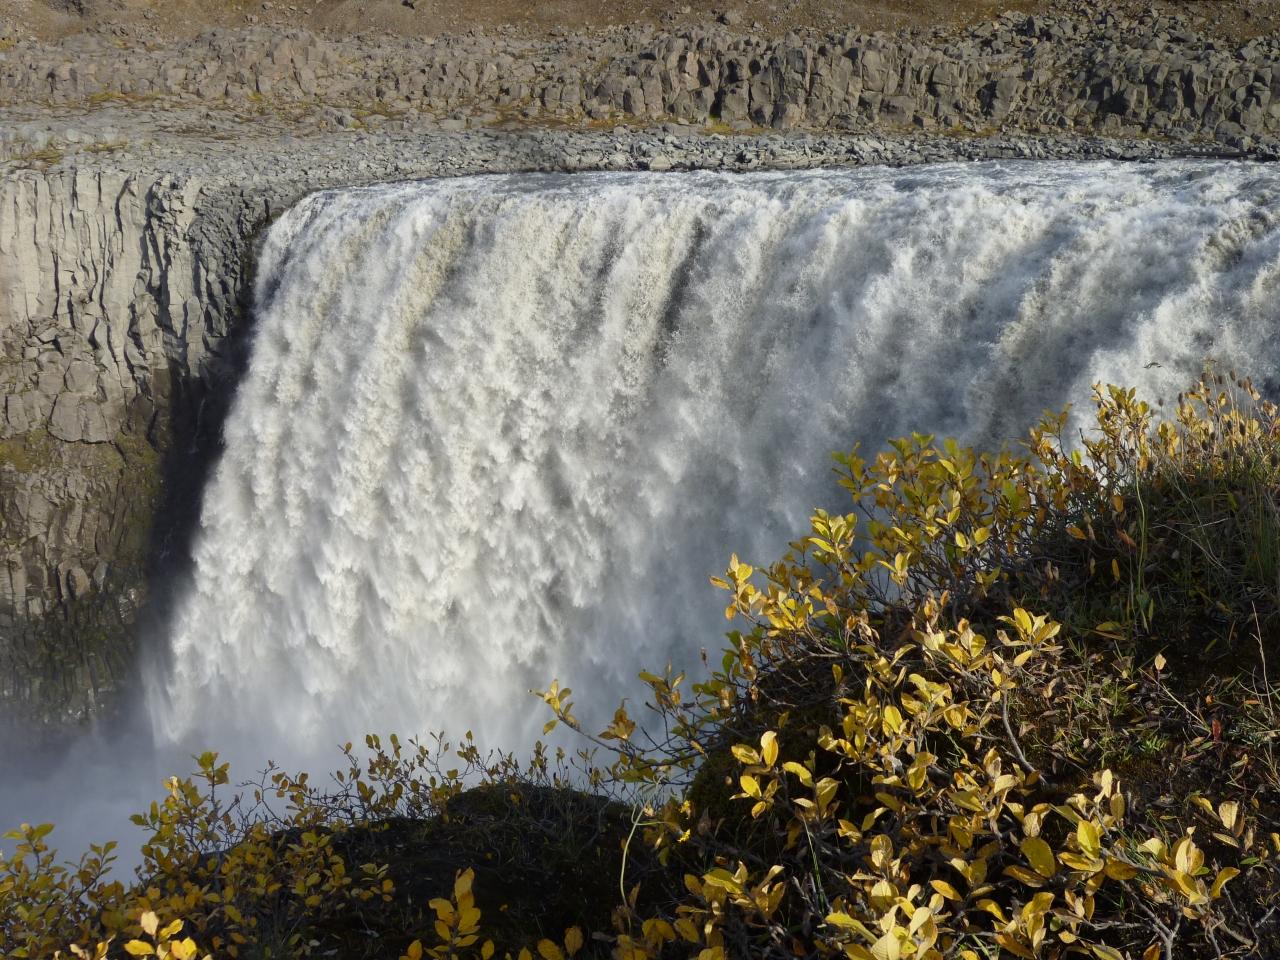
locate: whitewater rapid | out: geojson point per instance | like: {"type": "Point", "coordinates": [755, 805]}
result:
{"type": "Point", "coordinates": [499, 430]}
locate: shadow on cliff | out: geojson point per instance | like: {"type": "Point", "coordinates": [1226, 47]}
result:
{"type": "Point", "coordinates": [191, 435]}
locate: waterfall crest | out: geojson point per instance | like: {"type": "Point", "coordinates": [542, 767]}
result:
{"type": "Point", "coordinates": [499, 430]}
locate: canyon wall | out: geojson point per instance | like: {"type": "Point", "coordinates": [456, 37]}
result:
{"type": "Point", "coordinates": [1153, 76]}
{"type": "Point", "coordinates": [116, 291]}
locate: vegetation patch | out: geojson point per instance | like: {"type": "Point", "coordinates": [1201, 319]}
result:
{"type": "Point", "coordinates": [27, 452]}
{"type": "Point", "coordinates": [37, 159]}
{"type": "Point", "coordinates": [1012, 704]}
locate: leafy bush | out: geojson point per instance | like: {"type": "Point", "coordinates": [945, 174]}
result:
{"type": "Point", "coordinates": [899, 759]}
{"type": "Point", "coordinates": [1011, 704]}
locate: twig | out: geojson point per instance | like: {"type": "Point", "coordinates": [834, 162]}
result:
{"type": "Point", "coordinates": [1027, 766]}
{"type": "Point", "coordinates": [1168, 935]}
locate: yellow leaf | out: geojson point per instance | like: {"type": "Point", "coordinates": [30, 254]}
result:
{"type": "Point", "coordinates": [1160, 661]}
{"type": "Point", "coordinates": [993, 908]}
{"type": "Point", "coordinates": [443, 909]}
{"type": "Point", "coordinates": [549, 951]}
{"type": "Point", "coordinates": [1089, 838]}
{"type": "Point", "coordinates": [1224, 877]}
{"type": "Point", "coordinates": [486, 951]}
{"type": "Point", "coordinates": [946, 889]}
{"type": "Point", "coordinates": [1188, 886]}
{"type": "Point", "coordinates": [415, 950]}
{"type": "Point", "coordinates": [1154, 846]}
{"type": "Point", "coordinates": [573, 940]}
{"type": "Point", "coordinates": [150, 923]}
{"type": "Point", "coordinates": [1004, 782]}
{"type": "Point", "coordinates": [1084, 864]}
{"type": "Point", "coordinates": [806, 778]}
{"type": "Point", "coordinates": [1014, 947]}
{"type": "Point", "coordinates": [1029, 877]}
{"type": "Point", "coordinates": [462, 886]}
{"type": "Point", "coordinates": [892, 719]}
{"type": "Point", "coordinates": [888, 947]}
{"type": "Point", "coordinates": [919, 917]}
{"type": "Point", "coordinates": [1229, 814]}
{"type": "Point", "coordinates": [881, 851]}
{"type": "Point", "coordinates": [825, 791]}
{"type": "Point", "coordinates": [688, 930]}
{"type": "Point", "coordinates": [1119, 870]}
{"type": "Point", "coordinates": [769, 748]}
{"type": "Point", "coordinates": [139, 948]}
{"type": "Point", "coordinates": [747, 755]}
{"type": "Point", "coordinates": [1040, 855]}
{"type": "Point", "coordinates": [1187, 856]}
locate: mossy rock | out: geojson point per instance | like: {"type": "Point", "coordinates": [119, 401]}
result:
{"type": "Point", "coordinates": [28, 452]}
{"type": "Point", "coordinates": [68, 659]}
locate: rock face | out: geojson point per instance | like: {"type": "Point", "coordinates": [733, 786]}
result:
{"type": "Point", "coordinates": [112, 288]}
{"type": "Point", "coordinates": [1095, 73]}
{"type": "Point", "coordinates": [115, 290]}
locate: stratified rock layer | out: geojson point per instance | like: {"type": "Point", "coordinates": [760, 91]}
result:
{"type": "Point", "coordinates": [1096, 73]}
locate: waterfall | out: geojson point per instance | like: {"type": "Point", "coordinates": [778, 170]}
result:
{"type": "Point", "coordinates": [497, 430]}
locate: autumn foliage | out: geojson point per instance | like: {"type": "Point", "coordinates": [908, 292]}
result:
{"type": "Point", "coordinates": [1010, 704]}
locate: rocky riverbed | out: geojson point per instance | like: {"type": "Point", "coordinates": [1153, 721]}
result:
{"type": "Point", "coordinates": [136, 174]}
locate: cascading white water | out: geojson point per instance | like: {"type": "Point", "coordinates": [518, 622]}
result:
{"type": "Point", "coordinates": [499, 430]}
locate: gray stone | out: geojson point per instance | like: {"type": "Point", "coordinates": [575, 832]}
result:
{"type": "Point", "coordinates": [65, 421]}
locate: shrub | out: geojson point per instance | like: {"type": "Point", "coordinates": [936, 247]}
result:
{"type": "Point", "coordinates": [911, 763]}
{"type": "Point", "coordinates": [1011, 704]}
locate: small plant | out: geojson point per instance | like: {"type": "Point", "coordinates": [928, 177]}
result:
{"type": "Point", "coordinates": [38, 158]}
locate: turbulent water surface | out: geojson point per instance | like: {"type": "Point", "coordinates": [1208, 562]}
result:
{"type": "Point", "coordinates": [498, 430]}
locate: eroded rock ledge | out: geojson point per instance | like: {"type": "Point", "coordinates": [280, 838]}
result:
{"type": "Point", "coordinates": [1093, 73]}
